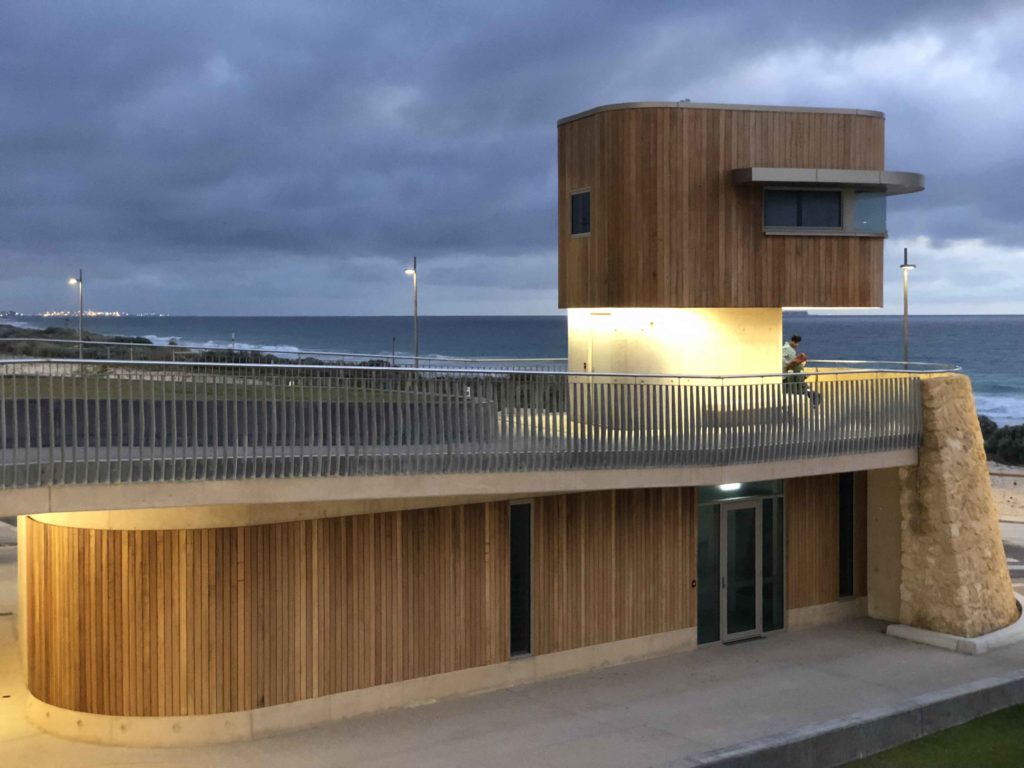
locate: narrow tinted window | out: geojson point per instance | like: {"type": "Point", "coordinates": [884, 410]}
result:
{"type": "Point", "coordinates": [580, 213]}
{"type": "Point", "coordinates": [519, 560]}
{"type": "Point", "coordinates": [773, 561]}
{"type": "Point", "coordinates": [821, 209]}
{"type": "Point", "coordinates": [846, 535]}
{"type": "Point", "coordinates": [709, 595]}
{"type": "Point", "coordinates": [781, 208]}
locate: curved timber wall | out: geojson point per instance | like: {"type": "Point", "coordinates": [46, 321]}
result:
{"type": "Point", "coordinates": [669, 228]}
{"type": "Point", "coordinates": [195, 622]}
{"type": "Point", "coordinates": [205, 621]}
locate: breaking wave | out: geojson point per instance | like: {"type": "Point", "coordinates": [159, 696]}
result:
{"type": "Point", "coordinates": [1002, 409]}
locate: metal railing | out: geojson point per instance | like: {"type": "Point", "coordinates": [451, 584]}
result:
{"type": "Point", "coordinates": [70, 422]}
{"type": "Point", "coordinates": [33, 346]}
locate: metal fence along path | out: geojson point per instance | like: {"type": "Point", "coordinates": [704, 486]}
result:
{"type": "Point", "coordinates": [74, 422]}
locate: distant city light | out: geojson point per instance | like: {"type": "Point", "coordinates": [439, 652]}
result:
{"type": "Point", "coordinates": [87, 313]}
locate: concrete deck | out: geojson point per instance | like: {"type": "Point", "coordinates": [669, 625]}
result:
{"type": "Point", "coordinates": [650, 713]}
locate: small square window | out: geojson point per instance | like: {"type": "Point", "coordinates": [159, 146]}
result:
{"type": "Point", "coordinates": [580, 213]}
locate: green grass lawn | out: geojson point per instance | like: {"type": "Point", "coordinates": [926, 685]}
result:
{"type": "Point", "coordinates": [993, 741]}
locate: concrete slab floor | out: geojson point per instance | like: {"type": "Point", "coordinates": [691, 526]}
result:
{"type": "Point", "coordinates": [644, 714]}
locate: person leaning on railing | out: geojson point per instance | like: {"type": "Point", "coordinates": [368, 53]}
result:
{"type": "Point", "coordinates": [793, 364]}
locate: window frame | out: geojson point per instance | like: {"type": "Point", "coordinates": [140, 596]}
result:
{"type": "Point", "coordinates": [590, 224]}
{"type": "Point", "coordinates": [847, 198]}
{"type": "Point", "coordinates": [711, 502]}
{"type": "Point", "coordinates": [799, 227]}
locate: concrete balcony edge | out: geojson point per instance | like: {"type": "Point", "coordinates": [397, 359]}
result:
{"type": "Point", "coordinates": [362, 494]}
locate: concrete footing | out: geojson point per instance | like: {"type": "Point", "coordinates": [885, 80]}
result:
{"type": "Point", "coordinates": [836, 742]}
{"type": "Point", "coordinates": [969, 645]}
{"type": "Point", "coordinates": [192, 730]}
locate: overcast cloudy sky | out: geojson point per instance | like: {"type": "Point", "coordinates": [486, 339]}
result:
{"type": "Point", "coordinates": [292, 157]}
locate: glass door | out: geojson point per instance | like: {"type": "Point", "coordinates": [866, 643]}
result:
{"type": "Point", "coordinates": [741, 566]}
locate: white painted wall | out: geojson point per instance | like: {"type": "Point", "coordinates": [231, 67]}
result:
{"type": "Point", "coordinates": [676, 341]}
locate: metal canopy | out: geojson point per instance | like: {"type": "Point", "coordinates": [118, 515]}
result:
{"type": "Point", "coordinates": [889, 182]}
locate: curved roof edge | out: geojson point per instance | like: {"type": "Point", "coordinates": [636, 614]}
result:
{"type": "Point", "coordinates": [701, 105]}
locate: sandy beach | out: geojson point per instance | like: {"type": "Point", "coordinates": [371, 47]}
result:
{"type": "Point", "coordinates": [1008, 489]}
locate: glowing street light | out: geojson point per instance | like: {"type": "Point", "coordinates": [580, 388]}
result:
{"type": "Point", "coordinates": [906, 267]}
{"type": "Point", "coordinates": [81, 286]}
{"type": "Point", "coordinates": [415, 311]}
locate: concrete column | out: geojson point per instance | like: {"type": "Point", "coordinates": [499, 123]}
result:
{"type": "Point", "coordinates": [885, 572]}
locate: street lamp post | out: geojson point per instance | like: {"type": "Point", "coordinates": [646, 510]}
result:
{"type": "Point", "coordinates": [80, 283]}
{"type": "Point", "coordinates": [905, 267]}
{"type": "Point", "coordinates": [415, 311]}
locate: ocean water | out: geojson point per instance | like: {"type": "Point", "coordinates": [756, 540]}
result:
{"type": "Point", "coordinates": [990, 348]}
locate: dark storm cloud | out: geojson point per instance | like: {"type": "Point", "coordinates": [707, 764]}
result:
{"type": "Point", "coordinates": [242, 157]}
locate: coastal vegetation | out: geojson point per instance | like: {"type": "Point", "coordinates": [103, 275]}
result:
{"type": "Point", "coordinates": [54, 342]}
{"type": "Point", "coordinates": [305, 379]}
{"type": "Point", "coordinates": [1003, 444]}
{"type": "Point", "coordinates": [57, 342]}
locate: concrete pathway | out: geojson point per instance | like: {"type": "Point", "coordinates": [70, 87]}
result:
{"type": "Point", "coordinates": [645, 714]}
{"type": "Point", "coordinates": [1013, 544]}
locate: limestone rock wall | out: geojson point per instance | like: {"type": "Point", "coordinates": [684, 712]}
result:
{"type": "Point", "coordinates": [955, 578]}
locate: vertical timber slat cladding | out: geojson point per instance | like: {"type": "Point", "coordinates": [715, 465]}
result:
{"type": "Point", "coordinates": [612, 565]}
{"type": "Point", "coordinates": [670, 229]}
{"type": "Point", "coordinates": [203, 621]}
{"type": "Point", "coordinates": [812, 539]}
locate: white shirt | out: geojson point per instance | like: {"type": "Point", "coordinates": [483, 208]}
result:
{"type": "Point", "coordinates": [788, 355]}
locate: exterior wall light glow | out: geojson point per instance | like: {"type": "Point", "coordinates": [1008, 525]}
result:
{"type": "Point", "coordinates": [730, 487]}
{"type": "Point", "coordinates": [674, 340]}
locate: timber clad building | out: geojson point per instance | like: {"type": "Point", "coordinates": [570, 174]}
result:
{"type": "Point", "coordinates": [215, 553]}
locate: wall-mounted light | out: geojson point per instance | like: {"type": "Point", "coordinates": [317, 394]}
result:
{"type": "Point", "coordinates": [730, 487]}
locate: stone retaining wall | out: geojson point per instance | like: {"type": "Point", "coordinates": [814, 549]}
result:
{"type": "Point", "coordinates": [955, 578]}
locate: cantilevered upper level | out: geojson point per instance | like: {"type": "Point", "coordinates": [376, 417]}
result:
{"type": "Point", "coordinates": [676, 204]}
